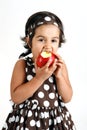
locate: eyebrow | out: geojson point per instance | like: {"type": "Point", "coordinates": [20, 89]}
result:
{"type": "Point", "coordinates": [44, 36]}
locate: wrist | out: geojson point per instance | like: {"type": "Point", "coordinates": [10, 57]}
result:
{"type": "Point", "coordinates": [59, 76]}
{"type": "Point", "coordinates": [39, 79]}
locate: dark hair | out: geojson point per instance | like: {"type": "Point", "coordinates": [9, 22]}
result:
{"type": "Point", "coordinates": [32, 24]}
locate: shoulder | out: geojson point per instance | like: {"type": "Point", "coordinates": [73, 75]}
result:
{"type": "Point", "coordinates": [19, 67]}
{"type": "Point", "coordinates": [20, 63]}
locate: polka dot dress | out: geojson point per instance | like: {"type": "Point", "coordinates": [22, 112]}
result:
{"type": "Point", "coordinates": [43, 111]}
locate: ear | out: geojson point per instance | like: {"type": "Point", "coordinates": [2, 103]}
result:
{"type": "Point", "coordinates": [27, 40]}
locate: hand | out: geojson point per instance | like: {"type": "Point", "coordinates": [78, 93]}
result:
{"type": "Point", "coordinates": [61, 68]}
{"type": "Point", "coordinates": [62, 80]}
{"type": "Point", "coordinates": [46, 71]}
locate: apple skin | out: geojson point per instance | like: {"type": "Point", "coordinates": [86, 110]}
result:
{"type": "Point", "coordinates": [41, 61]}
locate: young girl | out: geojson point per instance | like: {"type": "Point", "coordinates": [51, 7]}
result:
{"type": "Point", "coordinates": [39, 94]}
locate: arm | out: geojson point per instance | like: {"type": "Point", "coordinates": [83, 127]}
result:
{"type": "Point", "coordinates": [62, 80]}
{"type": "Point", "coordinates": [20, 90]}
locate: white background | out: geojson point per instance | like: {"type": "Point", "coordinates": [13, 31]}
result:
{"type": "Point", "coordinates": [13, 16]}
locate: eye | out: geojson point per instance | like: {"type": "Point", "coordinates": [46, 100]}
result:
{"type": "Point", "coordinates": [54, 40]}
{"type": "Point", "coordinates": [41, 39]}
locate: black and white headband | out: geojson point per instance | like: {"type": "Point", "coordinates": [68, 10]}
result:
{"type": "Point", "coordinates": [40, 21]}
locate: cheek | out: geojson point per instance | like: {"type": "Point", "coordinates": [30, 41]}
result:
{"type": "Point", "coordinates": [35, 51]}
{"type": "Point", "coordinates": [55, 48]}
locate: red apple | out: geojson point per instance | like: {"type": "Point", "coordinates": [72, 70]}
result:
{"type": "Point", "coordinates": [44, 57]}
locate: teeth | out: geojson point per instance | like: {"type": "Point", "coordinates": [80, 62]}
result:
{"type": "Point", "coordinates": [46, 54]}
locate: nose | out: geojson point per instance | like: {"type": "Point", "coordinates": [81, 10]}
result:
{"type": "Point", "coordinates": [47, 47]}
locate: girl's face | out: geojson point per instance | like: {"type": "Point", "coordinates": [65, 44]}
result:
{"type": "Point", "coordinates": [46, 38]}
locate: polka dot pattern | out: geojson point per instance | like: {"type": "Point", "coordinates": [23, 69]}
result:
{"type": "Point", "coordinates": [22, 120]}
{"type": "Point", "coordinates": [29, 77]}
{"type": "Point", "coordinates": [32, 122]}
{"type": "Point", "coordinates": [56, 103]}
{"type": "Point", "coordinates": [17, 119]}
{"type": "Point", "coordinates": [46, 103]}
{"type": "Point", "coordinates": [29, 113]}
{"type": "Point", "coordinates": [51, 95]}
{"type": "Point", "coordinates": [44, 109]}
{"type": "Point", "coordinates": [38, 124]}
{"type": "Point", "coordinates": [46, 87]}
{"type": "Point", "coordinates": [41, 95]}
{"type": "Point", "coordinates": [47, 18]}
{"type": "Point", "coordinates": [51, 79]}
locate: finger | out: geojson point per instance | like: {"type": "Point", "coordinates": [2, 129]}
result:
{"type": "Point", "coordinates": [36, 67]}
{"type": "Point", "coordinates": [35, 63]}
{"type": "Point", "coordinates": [48, 63]}
{"type": "Point", "coordinates": [59, 65]}
{"type": "Point", "coordinates": [61, 61]}
{"type": "Point", "coordinates": [53, 66]}
{"type": "Point", "coordinates": [58, 56]}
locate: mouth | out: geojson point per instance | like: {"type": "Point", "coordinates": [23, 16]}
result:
{"type": "Point", "coordinates": [43, 58]}
{"type": "Point", "coordinates": [46, 54]}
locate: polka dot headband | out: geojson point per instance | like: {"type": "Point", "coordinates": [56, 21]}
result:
{"type": "Point", "coordinates": [40, 19]}
{"type": "Point", "coordinates": [44, 20]}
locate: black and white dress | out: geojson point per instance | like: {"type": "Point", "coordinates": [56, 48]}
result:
{"type": "Point", "coordinates": [43, 111]}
